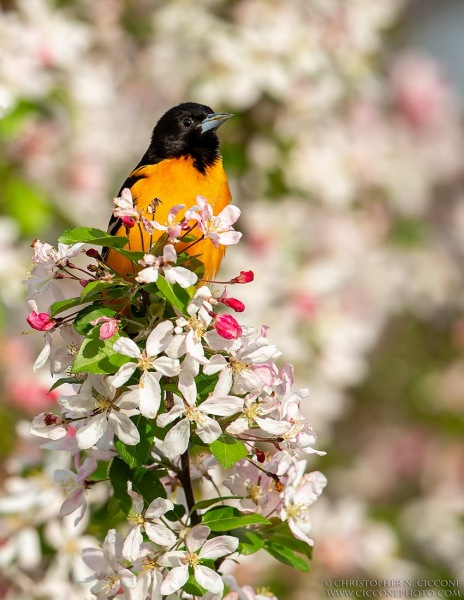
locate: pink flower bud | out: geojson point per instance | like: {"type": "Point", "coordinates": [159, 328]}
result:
{"type": "Point", "coordinates": [244, 277]}
{"type": "Point", "coordinates": [40, 321]}
{"type": "Point", "coordinates": [233, 303]}
{"type": "Point", "coordinates": [128, 222]}
{"type": "Point", "coordinates": [227, 327]}
{"type": "Point", "coordinates": [108, 328]}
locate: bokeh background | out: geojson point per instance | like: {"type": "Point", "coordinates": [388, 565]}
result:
{"type": "Point", "coordinates": [346, 156]}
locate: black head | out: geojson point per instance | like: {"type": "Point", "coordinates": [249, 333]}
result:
{"type": "Point", "coordinates": [188, 129]}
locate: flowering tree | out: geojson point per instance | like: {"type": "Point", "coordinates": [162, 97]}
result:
{"type": "Point", "coordinates": [165, 391]}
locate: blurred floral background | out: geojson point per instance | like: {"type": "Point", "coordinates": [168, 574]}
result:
{"type": "Point", "coordinates": [346, 156]}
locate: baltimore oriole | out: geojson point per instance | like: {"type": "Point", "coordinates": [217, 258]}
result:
{"type": "Point", "coordinates": [182, 162]}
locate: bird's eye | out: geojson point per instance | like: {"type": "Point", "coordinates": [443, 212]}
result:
{"type": "Point", "coordinates": [187, 122]}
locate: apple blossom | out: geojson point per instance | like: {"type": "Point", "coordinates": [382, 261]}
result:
{"type": "Point", "coordinates": [181, 561]}
{"type": "Point", "coordinates": [147, 396]}
{"type": "Point", "coordinates": [217, 228]}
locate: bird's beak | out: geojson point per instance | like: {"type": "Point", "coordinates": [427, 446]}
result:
{"type": "Point", "coordinates": [214, 120]}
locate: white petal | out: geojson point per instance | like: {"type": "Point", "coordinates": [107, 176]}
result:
{"type": "Point", "coordinates": [220, 546]}
{"type": "Point", "coordinates": [209, 579]}
{"type": "Point", "coordinates": [229, 214]}
{"type": "Point", "coordinates": [222, 407]}
{"type": "Point", "coordinates": [44, 354]}
{"type": "Point", "coordinates": [172, 415]}
{"type": "Point", "coordinates": [88, 435]}
{"type": "Point", "coordinates": [74, 500]}
{"type": "Point", "coordinates": [125, 345]}
{"type": "Point", "coordinates": [132, 543]}
{"type": "Point", "coordinates": [209, 431]}
{"type": "Point", "coordinates": [216, 363]}
{"type": "Point", "coordinates": [160, 338]}
{"type": "Point", "coordinates": [149, 395]}
{"type": "Point", "coordinates": [272, 426]}
{"type": "Point", "coordinates": [238, 426]}
{"type": "Point", "coordinates": [169, 253]}
{"type": "Point", "coordinates": [160, 534]}
{"type": "Point", "coordinates": [124, 374]}
{"type": "Point", "coordinates": [177, 439]}
{"type": "Point", "coordinates": [158, 507]}
{"type": "Point", "coordinates": [175, 579]}
{"type": "Point", "coordinates": [167, 366]}
{"type": "Point", "coordinates": [180, 275]}
{"type": "Point", "coordinates": [148, 275]}
{"type": "Point", "coordinates": [196, 537]}
{"type": "Point", "coordinates": [123, 427]}
{"type": "Point", "coordinates": [229, 238]}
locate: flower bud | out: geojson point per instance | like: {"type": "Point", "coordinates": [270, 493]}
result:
{"type": "Point", "coordinates": [92, 253]}
{"type": "Point", "coordinates": [244, 277]}
{"type": "Point", "coordinates": [128, 222]}
{"type": "Point", "coordinates": [260, 455]}
{"type": "Point", "coordinates": [40, 321]}
{"type": "Point", "coordinates": [108, 327]}
{"type": "Point", "coordinates": [233, 303]}
{"type": "Point", "coordinates": [227, 327]}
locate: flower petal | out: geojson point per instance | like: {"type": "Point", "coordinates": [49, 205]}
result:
{"type": "Point", "coordinates": [176, 441]}
{"type": "Point", "coordinates": [209, 579]}
{"type": "Point", "coordinates": [125, 345]}
{"type": "Point", "coordinates": [149, 395]}
{"type": "Point", "coordinates": [132, 543]}
{"type": "Point", "coordinates": [220, 546]}
{"type": "Point", "coordinates": [124, 374]}
{"type": "Point", "coordinates": [124, 429]}
{"type": "Point", "coordinates": [160, 534]}
{"type": "Point", "coordinates": [196, 537]}
{"type": "Point", "coordinates": [159, 339]}
{"type": "Point", "coordinates": [88, 435]}
{"type": "Point", "coordinates": [175, 579]}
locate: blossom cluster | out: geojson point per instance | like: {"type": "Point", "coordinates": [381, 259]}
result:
{"type": "Point", "coordinates": [349, 153]}
{"type": "Point", "coordinates": [157, 373]}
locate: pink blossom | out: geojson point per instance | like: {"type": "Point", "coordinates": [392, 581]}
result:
{"type": "Point", "coordinates": [74, 485]}
{"type": "Point", "coordinates": [40, 321]}
{"type": "Point", "coordinates": [108, 328]}
{"type": "Point", "coordinates": [244, 277]}
{"type": "Point", "coordinates": [217, 228]}
{"type": "Point", "coordinates": [227, 327]}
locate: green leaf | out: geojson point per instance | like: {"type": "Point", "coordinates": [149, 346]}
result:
{"type": "Point", "coordinates": [97, 356]}
{"type": "Point", "coordinates": [207, 503]}
{"type": "Point", "coordinates": [282, 534]}
{"type": "Point", "coordinates": [145, 482]}
{"type": "Point", "coordinates": [62, 305]}
{"type": "Point", "coordinates": [228, 450]}
{"type": "Point", "coordinates": [205, 385]}
{"type": "Point", "coordinates": [250, 541]}
{"type": "Point", "coordinates": [193, 588]}
{"type": "Point", "coordinates": [136, 456]}
{"type": "Point", "coordinates": [91, 235]}
{"type": "Point", "coordinates": [225, 518]}
{"type": "Point", "coordinates": [63, 380]}
{"type": "Point", "coordinates": [130, 254]}
{"type": "Point", "coordinates": [176, 513]}
{"type": "Point", "coordinates": [82, 322]}
{"type": "Point", "coordinates": [286, 556]}
{"type": "Point", "coordinates": [119, 474]}
{"type": "Point", "coordinates": [174, 294]}
{"type": "Point", "coordinates": [96, 287]}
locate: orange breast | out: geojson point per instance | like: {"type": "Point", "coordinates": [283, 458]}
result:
{"type": "Point", "coordinates": [175, 181]}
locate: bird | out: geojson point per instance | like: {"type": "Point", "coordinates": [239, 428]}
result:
{"type": "Point", "coordinates": [183, 161]}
